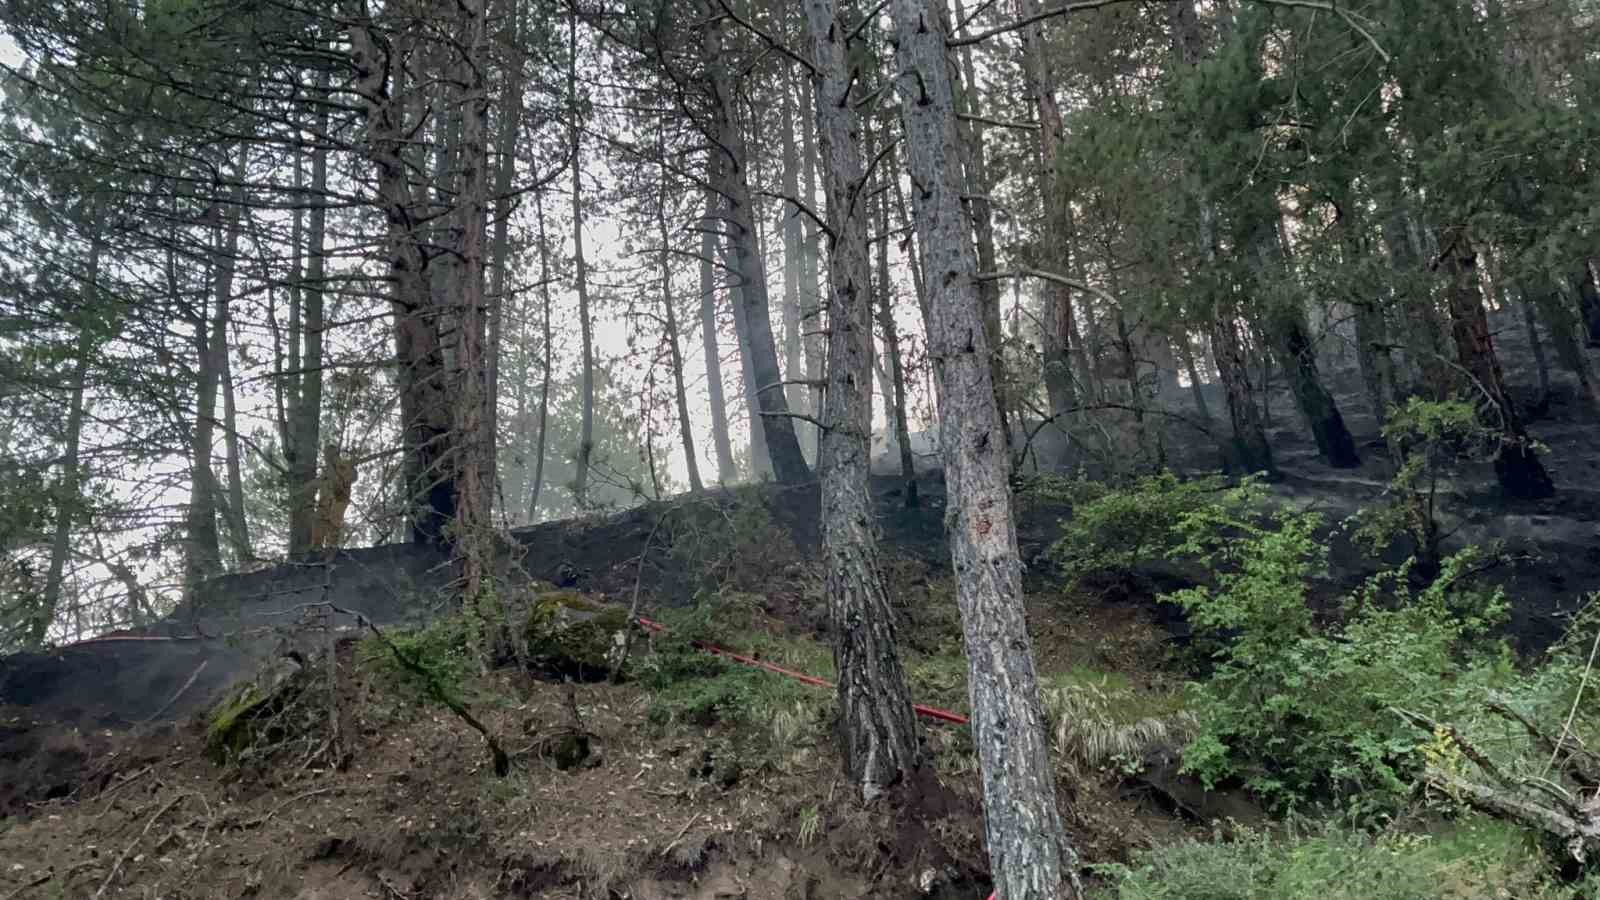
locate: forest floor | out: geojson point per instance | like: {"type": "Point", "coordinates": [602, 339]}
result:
{"type": "Point", "coordinates": [721, 784]}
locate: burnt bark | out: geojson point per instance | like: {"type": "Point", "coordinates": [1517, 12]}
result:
{"type": "Point", "coordinates": [1030, 856]}
{"type": "Point", "coordinates": [1516, 464]}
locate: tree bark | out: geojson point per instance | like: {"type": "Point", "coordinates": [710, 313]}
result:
{"type": "Point", "coordinates": [474, 525]}
{"type": "Point", "coordinates": [1056, 338]}
{"type": "Point", "coordinates": [1029, 854]}
{"type": "Point", "coordinates": [1196, 386]}
{"type": "Point", "coordinates": [813, 315]}
{"type": "Point", "coordinates": [794, 366]}
{"type": "Point", "coordinates": [1530, 324]}
{"type": "Point", "coordinates": [1516, 465]}
{"type": "Point", "coordinates": [580, 480]}
{"type": "Point", "coordinates": [975, 163]}
{"type": "Point", "coordinates": [549, 361]}
{"type": "Point", "coordinates": [305, 419]}
{"type": "Point", "coordinates": [1559, 317]}
{"type": "Point", "coordinates": [896, 395]}
{"type": "Point", "coordinates": [776, 424]}
{"type": "Point", "coordinates": [425, 410]}
{"type": "Point", "coordinates": [708, 335]}
{"type": "Point", "coordinates": [679, 395]}
{"type": "Point", "coordinates": [67, 500]}
{"type": "Point", "coordinates": [876, 722]}
{"type": "Point", "coordinates": [1587, 286]}
{"type": "Point", "coordinates": [510, 123]}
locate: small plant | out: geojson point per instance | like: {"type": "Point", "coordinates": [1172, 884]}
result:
{"type": "Point", "coordinates": [1101, 722]}
{"type": "Point", "coordinates": [440, 648]}
{"type": "Point", "coordinates": [1433, 440]}
{"type": "Point", "coordinates": [810, 824]}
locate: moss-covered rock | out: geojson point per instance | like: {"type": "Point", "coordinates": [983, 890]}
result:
{"type": "Point", "coordinates": [231, 725]}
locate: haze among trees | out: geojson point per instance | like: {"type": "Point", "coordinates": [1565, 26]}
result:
{"type": "Point", "coordinates": [523, 260]}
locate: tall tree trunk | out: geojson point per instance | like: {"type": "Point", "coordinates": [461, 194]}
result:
{"type": "Point", "coordinates": [974, 163]}
{"type": "Point", "coordinates": [1560, 318]}
{"type": "Point", "coordinates": [1028, 850]}
{"type": "Point", "coordinates": [425, 410]}
{"type": "Point", "coordinates": [1516, 465]}
{"type": "Point", "coordinates": [708, 336]}
{"type": "Point", "coordinates": [1418, 311]}
{"type": "Point", "coordinates": [813, 314]}
{"type": "Point", "coordinates": [760, 459]}
{"type": "Point", "coordinates": [680, 397]}
{"type": "Point", "coordinates": [580, 480]}
{"type": "Point", "coordinates": [1196, 386]}
{"type": "Point", "coordinates": [777, 425]}
{"type": "Point", "coordinates": [1246, 448]}
{"type": "Point", "coordinates": [1530, 324]}
{"type": "Point", "coordinates": [1285, 323]}
{"type": "Point", "coordinates": [69, 484]}
{"type": "Point", "coordinates": [794, 369]}
{"type": "Point", "coordinates": [549, 361]}
{"type": "Point", "coordinates": [305, 419]}
{"type": "Point", "coordinates": [876, 722]}
{"type": "Point", "coordinates": [1056, 239]}
{"type": "Point", "coordinates": [510, 122]}
{"type": "Point", "coordinates": [1587, 286]}
{"type": "Point", "coordinates": [474, 535]}
{"type": "Point", "coordinates": [896, 395]}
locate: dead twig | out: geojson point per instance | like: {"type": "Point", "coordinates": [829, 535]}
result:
{"type": "Point", "coordinates": [258, 822]}
{"type": "Point", "coordinates": [681, 832]}
{"type": "Point", "coordinates": [48, 874]}
{"type": "Point", "coordinates": [117, 866]}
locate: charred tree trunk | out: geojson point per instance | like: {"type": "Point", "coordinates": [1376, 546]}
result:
{"type": "Point", "coordinates": [1587, 287]}
{"type": "Point", "coordinates": [776, 424]}
{"type": "Point", "coordinates": [1516, 465]}
{"type": "Point", "coordinates": [680, 397]}
{"type": "Point", "coordinates": [505, 164]}
{"type": "Point", "coordinates": [1028, 849]}
{"type": "Point", "coordinates": [471, 466]}
{"type": "Point", "coordinates": [708, 335]}
{"type": "Point", "coordinates": [580, 480]}
{"type": "Point", "coordinates": [549, 362]}
{"type": "Point", "coordinates": [425, 410]}
{"type": "Point", "coordinates": [305, 420]}
{"type": "Point", "coordinates": [877, 725]}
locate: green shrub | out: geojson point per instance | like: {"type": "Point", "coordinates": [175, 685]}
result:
{"type": "Point", "coordinates": [442, 648]}
{"type": "Point", "coordinates": [1303, 712]}
{"type": "Point", "coordinates": [1113, 531]}
{"type": "Point", "coordinates": [1478, 858]}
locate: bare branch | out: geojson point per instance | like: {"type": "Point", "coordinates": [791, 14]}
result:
{"type": "Point", "coordinates": [1073, 283]}
{"type": "Point", "coordinates": [999, 123]}
{"type": "Point", "coordinates": [768, 39]}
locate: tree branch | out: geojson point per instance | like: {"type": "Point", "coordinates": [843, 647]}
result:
{"type": "Point", "coordinates": [1073, 283]}
{"type": "Point", "coordinates": [768, 39]}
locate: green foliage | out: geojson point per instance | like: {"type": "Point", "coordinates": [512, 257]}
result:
{"type": "Point", "coordinates": [1301, 711]}
{"type": "Point", "coordinates": [570, 633]}
{"type": "Point", "coordinates": [443, 649]}
{"type": "Point", "coordinates": [730, 543]}
{"type": "Point", "coordinates": [1478, 858]}
{"type": "Point", "coordinates": [1113, 531]}
{"type": "Point", "coordinates": [1435, 439]}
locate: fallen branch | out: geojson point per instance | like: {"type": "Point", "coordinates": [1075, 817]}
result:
{"type": "Point", "coordinates": [117, 866]}
{"type": "Point", "coordinates": [49, 874]}
{"type": "Point", "coordinates": [497, 754]}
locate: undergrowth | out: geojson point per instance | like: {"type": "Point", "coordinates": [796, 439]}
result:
{"type": "Point", "coordinates": [1476, 859]}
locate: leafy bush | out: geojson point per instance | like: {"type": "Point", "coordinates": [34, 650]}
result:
{"type": "Point", "coordinates": [1300, 711]}
{"type": "Point", "coordinates": [442, 648]}
{"type": "Point", "coordinates": [1113, 531]}
{"type": "Point", "coordinates": [1478, 859]}
{"type": "Point", "coordinates": [1434, 439]}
